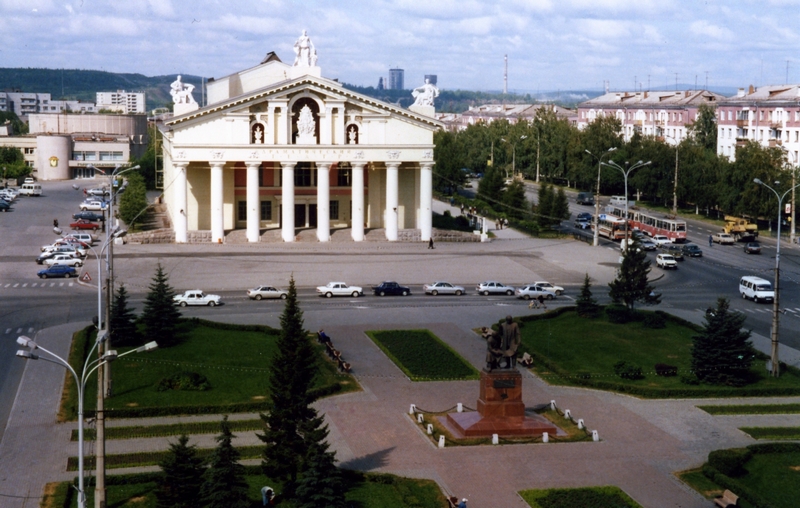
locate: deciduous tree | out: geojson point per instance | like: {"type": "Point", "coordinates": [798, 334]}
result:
{"type": "Point", "coordinates": [133, 202]}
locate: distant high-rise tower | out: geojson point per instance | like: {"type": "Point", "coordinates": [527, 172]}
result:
{"type": "Point", "coordinates": [431, 78]}
{"type": "Point", "coordinates": [395, 79]}
{"type": "Point", "coordinates": [380, 83]}
{"type": "Point", "coordinates": [505, 73]}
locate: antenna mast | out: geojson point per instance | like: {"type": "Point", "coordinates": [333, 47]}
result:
{"type": "Point", "coordinates": [505, 74]}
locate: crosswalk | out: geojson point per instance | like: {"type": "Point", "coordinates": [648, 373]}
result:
{"type": "Point", "coordinates": [766, 310]}
{"type": "Point", "coordinates": [36, 284]}
{"type": "Point", "coordinates": [17, 331]}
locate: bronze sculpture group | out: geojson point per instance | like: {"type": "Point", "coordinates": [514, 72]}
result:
{"type": "Point", "coordinates": [502, 345]}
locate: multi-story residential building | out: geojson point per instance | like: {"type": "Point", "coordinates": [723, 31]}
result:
{"type": "Point", "coordinates": [121, 101]}
{"type": "Point", "coordinates": [26, 103]}
{"type": "Point", "coordinates": [666, 115]}
{"type": "Point", "coordinates": [488, 113]}
{"type": "Point", "coordinates": [769, 115]}
{"type": "Point", "coordinates": [395, 79]}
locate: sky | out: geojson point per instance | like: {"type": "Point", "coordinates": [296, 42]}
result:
{"type": "Point", "coordinates": [551, 44]}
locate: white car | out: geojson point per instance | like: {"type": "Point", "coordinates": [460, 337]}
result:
{"type": "Point", "coordinates": [8, 196]}
{"type": "Point", "coordinates": [558, 290]}
{"type": "Point", "coordinates": [98, 191]}
{"type": "Point", "coordinates": [262, 292]}
{"type": "Point", "coordinates": [93, 205]}
{"type": "Point", "coordinates": [666, 261]}
{"type": "Point", "coordinates": [196, 297]}
{"type": "Point", "coordinates": [660, 240]}
{"type": "Point", "coordinates": [66, 248]}
{"type": "Point", "coordinates": [443, 288]}
{"type": "Point", "coordinates": [63, 259]}
{"type": "Point", "coordinates": [723, 238]}
{"type": "Point", "coordinates": [494, 287]}
{"type": "Point", "coordinates": [339, 289]}
{"type": "Point", "coordinates": [532, 291]}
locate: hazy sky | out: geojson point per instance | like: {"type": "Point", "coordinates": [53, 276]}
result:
{"type": "Point", "coordinates": [551, 44]}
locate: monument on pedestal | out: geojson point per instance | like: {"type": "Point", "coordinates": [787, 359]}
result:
{"type": "Point", "coordinates": [305, 58]}
{"type": "Point", "coordinates": [182, 97]}
{"type": "Point", "coordinates": [423, 99]}
{"type": "Point", "coordinates": [500, 407]}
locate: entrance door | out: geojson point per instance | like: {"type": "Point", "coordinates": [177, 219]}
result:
{"type": "Point", "coordinates": [300, 216]}
{"type": "Point", "coordinates": [312, 215]}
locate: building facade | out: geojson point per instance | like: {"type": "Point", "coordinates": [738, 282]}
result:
{"type": "Point", "coordinates": [768, 115]}
{"type": "Point", "coordinates": [488, 113]}
{"type": "Point", "coordinates": [122, 102]}
{"type": "Point", "coordinates": [280, 147]}
{"type": "Point", "coordinates": [24, 104]}
{"type": "Point", "coordinates": [664, 115]}
{"type": "Point", "coordinates": [395, 79]}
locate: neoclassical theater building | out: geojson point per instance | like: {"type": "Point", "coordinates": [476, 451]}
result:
{"type": "Point", "coordinates": [279, 146]}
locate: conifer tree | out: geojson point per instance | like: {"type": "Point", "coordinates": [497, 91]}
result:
{"type": "Point", "coordinates": [182, 478]}
{"type": "Point", "coordinates": [560, 209]}
{"type": "Point", "coordinates": [723, 353]}
{"type": "Point", "coordinates": [160, 315]}
{"type": "Point", "coordinates": [122, 321]}
{"type": "Point", "coordinates": [586, 305]}
{"type": "Point", "coordinates": [631, 284]}
{"type": "Point", "coordinates": [544, 206]}
{"type": "Point", "coordinates": [321, 482]}
{"type": "Point", "coordinates": [224, 485]}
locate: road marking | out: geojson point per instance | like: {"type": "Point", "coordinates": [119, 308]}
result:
{"type": "Point", "coordinates": [8, 330]}
{"type": "Point", "coordinates": [71, 284]}
{"type": "Point", "coordinates": [791, 310]}
{"type": "Point", "coordinates": [17, 284]}
{"type": "Point", "coordinates": [52, 284]}
{"type": "Point", "coordinates": [34, 284]}
{"type": "Point", "coordinates": [60, 284]}
{"type": "Point", "coordinates": [751, 311]}
{"type": "Point", "coordinates": [25, 285]}
{"type": "Point", "coordinates": [19, 330]}
{"type": "Point", "coordinates": [7, 285]}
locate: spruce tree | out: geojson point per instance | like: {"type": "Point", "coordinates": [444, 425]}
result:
{"type": "Point", "coordinates": [723, 353]}
{"type": "Point", "coordinates": [586, 305]}
{"type": "Point", "coordinates": [321, 483]}
{"type": "Point", "coordinates": [224, 485]}
{"type": "Point", "coordinates": [182, 477]}
{"type": "Point", "coordinates": [631, 284]}
{"type": "Point", "coordinates": [560, 208]}
{"type": "Point", "coordinates": [544, 206]}
{"type": "Point", "coordinates": [160, 315]}
{"type": "Point", "coordinates": [122, 322]}
{"type": "Point", "coordinates": [290, 419]}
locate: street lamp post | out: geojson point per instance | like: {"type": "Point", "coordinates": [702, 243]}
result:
{"type": "Point", "coordinates": [625, 173]}
{"type": "Point", "coordinates": [88, 368]}
{"type": "Point", "coordinates": [675, 180]}
{"type": "Point", "coordinates": [791, 163]}
{"type": "Point", "coordinates": [596, 240]}
{"type": "Point", "coordinates": [775, 367]}
{"type": "Point", "coordinates": [514, 158]}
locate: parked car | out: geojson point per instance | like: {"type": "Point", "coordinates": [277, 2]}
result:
{"type": "Point", "coordinates": [99, 191]}
{"type": "Point", "coordinates": [494, 287]}
{"type": "Point", "coordinates": [531, 291]}
{"type": "Point", "coordinates": [94, 217]}
{"type": "Point", "coordinates": [93, 205]}
{"type": "Point", "coordinates": [443, 288]}
{"type": "Point", "coordinates": [391, 288]}
{"type": "Point", "coordinates": [63, 259]}
{"type": "Point", "coordinates": [723, 238]}
{"type": "Point", "coordinates": [339, 289]}
{"type": "Point", "coordinates": [752, 248]}
{"type": "Point", "coordinates": [674, 250]}
{"type": "Point", "coordinates": [57, 271]}
{"type": "Point", "coordinates": [661, 240]}
{"type": "Point", "coordinates": [692, 250]}
{"type": "Point", "coordinates": [85, 224]}
{"type": "Point", "coordinates": [666, 261]}
{"type": "Point", "coordinates": [558, 290]}
{"type": "Point", "coordinates": [268, 292]}
{"type": "Point", "coordinates": [648, 244]}
{"type": "Point", "coordinates": [196, 297]}
{"type": "Point", "coordinates": [80, 238]}
{"type": "Point", "coordinates": [5, 206]}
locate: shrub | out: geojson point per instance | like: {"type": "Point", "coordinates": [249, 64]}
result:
{"type": "Point", "coordinates": [730, 462]}
{"type": "Point", "coordinates": [654, 321]}
{"type": "Point", "coordinates": [662, 369]}
{"type": "Point", "coordinates": [619, 314]}
{"type": "Point", "coordinates": [690, 380]}
{"type": "Point", "coordinates": [627, 370]}
{"type": "Point", "coordinates": [184, 381]}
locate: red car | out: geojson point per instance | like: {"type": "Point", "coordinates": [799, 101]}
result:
{"type": "Point", "coordinates": [85, 224]}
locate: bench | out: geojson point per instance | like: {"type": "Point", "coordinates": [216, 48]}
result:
{"type": "Point", "coordinates": [727, 499]}
{"type": "Point", "coordinates": [452, 502]}
{"type": "Point", "coordinates": [343, 365]}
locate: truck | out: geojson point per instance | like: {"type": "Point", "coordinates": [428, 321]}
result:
{"type": "Point", "coordinates": [740, 229]}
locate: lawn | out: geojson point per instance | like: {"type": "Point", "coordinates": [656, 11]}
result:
{"type": "Point", "coordinates": [422, 356]}
{"type": "Point", "coordinates": [752, 409]}
{"type": "Point", "coordinates": [587, 497]}
{"type": "Point", "coordinates": [774, 433]}
{"type": "Point", "coordinates": [571, 350]}
{"type": "Point", "coordinates": [234, 359]}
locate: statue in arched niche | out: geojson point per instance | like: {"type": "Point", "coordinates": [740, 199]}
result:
{"type": "Point", "coordinates": [258, 134]}
{"type": "Point", "coordinates": [305, 121]}
{"type": "Point", "coordinates": [352, 135]}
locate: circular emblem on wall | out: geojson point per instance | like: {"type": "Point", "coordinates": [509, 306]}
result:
{"type": "Point", "coordinates": [54, 161]}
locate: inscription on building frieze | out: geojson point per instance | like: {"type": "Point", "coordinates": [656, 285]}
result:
{"type": "Point", "coordinates": [217, 155]}
{"type": "Point", "coordinates": [393, 154]}
{"type": "Point", "coordinates": [427, 154]}
{"type": "Point", "coordinates": [180, 155]}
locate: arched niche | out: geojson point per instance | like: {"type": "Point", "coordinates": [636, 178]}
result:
{"type": "Point", "coordinates": [297, 107]}
{"type": "Point", "coordinates": [352, 133]}
{"type": "Point", "coordinates": [257, 133]}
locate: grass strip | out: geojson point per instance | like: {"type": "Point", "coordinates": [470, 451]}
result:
{"type": "Point", "coordinates": [595, 497]}
{"type": "Point", "coordinates": [752, 409]}
{"type": "Point", "coordinates": [772, 432]}
{"type": "Point", "coordinates": [175, 429]}
{"type": "Point", "coordinates": [139, 459]}
{"type": "Point", "coordinates": [422, 356]}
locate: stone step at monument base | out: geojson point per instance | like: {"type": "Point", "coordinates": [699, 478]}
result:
{"type": "Point", "coordinates": [472, 424]}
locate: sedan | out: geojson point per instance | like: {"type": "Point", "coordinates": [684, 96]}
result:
{"type": "Point", "coordinates": [723, 238]}
{"type": "Point", "coordinates": [4, 206]}
{"type": "Point", "coordinates": [661, 240]}
{"type": "Point", "coordinates": [752, 248]}
{"type": "Point", "coordinates": [530, 291]}
{"type": "Point", "coordinates": [584, 216]}
{"type": "Point", "coordinates": [443, 288]}
{"type": "Point", "coordinates": [99, 191]}
{"type": "Point", "coordinates": [262, 292]}
{"type": "Point", "coordinates": [582, 224]}
{"type": "Point", "coordinates": [63, 259]}
{"type": "Point", "coordinates": [692, 250]}
{"type": "Point", "coordinates": [339, 289]}
{"type": "Point", "coordinates": [95, 217]}
{"type": "Point", "coordinates": [548, 287]}
{"type": "Point", "coordinates": [93, 205]}
{"type": "Point", "coordinates": [493, 287]}
{"type": "Point", "coordinates": [648, 244]}
{"type": "Point", "coordinates": [85, 224]}
{"type": "Point", "coordinates": [390, 288]}
{"type": "Point", "coordinates": [57, 271]}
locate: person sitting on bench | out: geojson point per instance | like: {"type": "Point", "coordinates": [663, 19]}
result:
{"type": "Point", "coordinates": [323, 337]}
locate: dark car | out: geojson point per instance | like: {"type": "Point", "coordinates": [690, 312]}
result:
{"type": "Point", "coordinates": [56, 271]}
{"type": "Point", "coordinates": [675, 251]}
{"type": "Point", "coordinates": [390, 288]}
{"type": "Point", "coordinates": [5, 205]}
{"type": "Point", "coordinates": [91, 216]}
{"type": "Point", "coordinates": [85, 224]}
{"type": "Point", "coordinates": [752, 248]}
{"type": "Point", "coordinates": [692, 250]}
{"type": "Point", "coordinates": [584, 216]}
{"type": "Point", "coordinates": [585, 198]}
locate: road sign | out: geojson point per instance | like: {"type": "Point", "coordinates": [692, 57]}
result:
{"type": "Point", "coordinates": [86, 277]}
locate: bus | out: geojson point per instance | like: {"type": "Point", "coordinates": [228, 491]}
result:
{"type": "Point", "coordinates": [610, 227]}
{"type": "Point", "coordinates": [651, 224]}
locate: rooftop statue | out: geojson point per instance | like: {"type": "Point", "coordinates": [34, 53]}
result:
{"type": "Point", "coordinates": [304, 53]}
{"type": "Point", "coordinates": [181, 92]}
{"type": "Point", "coordinates": [424, 95]}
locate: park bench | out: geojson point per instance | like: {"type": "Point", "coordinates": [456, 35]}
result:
{"type": "Point", "coordinates": [727, 499]}
{"type": "Point", "coordinates": [452, 502]}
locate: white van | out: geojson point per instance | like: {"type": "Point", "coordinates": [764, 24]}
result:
{"type": "Point", "coordinates": [31, 189]}
{"type": "Point", "coordinates": [756, 289]}
{"type": "Point", "coordinates": [618, 201]}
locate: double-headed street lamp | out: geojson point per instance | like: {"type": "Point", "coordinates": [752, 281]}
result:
{"type": "Point", "coordinates": [514, 157]}
{"type": "Point", "coordinates": [596, 240]}
{"type": "Point", "coordinates": [625, 173]}
{"type": "Point", "coordinates": [89, 367]}
{"type": "Point", "coordinates": [775, 367]}
{"type": "Point", "coordinates": [791, 163]}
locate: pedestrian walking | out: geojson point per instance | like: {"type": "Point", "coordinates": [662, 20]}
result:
{"type": "Point", "coordinates": [55, 223]}
{"type": "Point", "coordinates": [84, 191]}
{"type": "Point", "coordinates": [534, 304]}
{"type": "Point", "coordinates": [430, 244]}
{"type": "Point", "coordinates": [541, 301]}
{"type": "Point", "coordinates": [710, 241]}
{"type": "Point", "coordinates": [463, 503]}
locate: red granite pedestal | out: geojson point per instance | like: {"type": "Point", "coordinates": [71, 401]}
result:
{"type": "Point", "coordinates": [500, 410]}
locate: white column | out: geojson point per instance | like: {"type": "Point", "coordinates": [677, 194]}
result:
{"type": "Point", "coordinates": [323, 201]}
{"type": "Point", "coordinates": [425, 200]}
{"type": "Point", "coordinates": [217, 219]}
{"type": "Point", "coordinates": [180, 217]}
{"type": "Point", "coordinates": [253, 215]}
{"type": "Point", "coordinates": [357, 199]}
{"type": "Point", "coordinates": [287, 201]}
{"type": "Point", "coordinates": [391, 200]}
